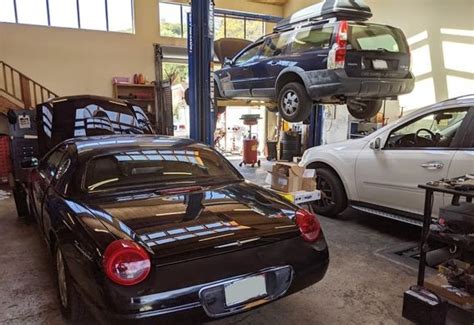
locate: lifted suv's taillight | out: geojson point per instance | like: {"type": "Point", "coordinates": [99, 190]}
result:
{"type": "Point", "coordinates": [125, 262]}
{"type": "Point", "coordinates": [337, 54]}
{"type": "Point", "coordinates": [309, 225]}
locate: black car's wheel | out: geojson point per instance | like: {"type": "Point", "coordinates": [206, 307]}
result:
{"type": "Point", "coordinates": [72, 307]}
{"type": "Point", "coordinates": [294, 103]}
{"type": "Point", "coordinates": [363, 109]}
{"type": "Point", "coordinates": [31, 213]}
{"type": "Point", "coordinates": [333, 197]}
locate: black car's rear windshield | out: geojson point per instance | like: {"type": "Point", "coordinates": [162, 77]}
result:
{"type": "Point", "coordinates": [368, 37]}
{"type": "Point", "coordinates": [192, 165]}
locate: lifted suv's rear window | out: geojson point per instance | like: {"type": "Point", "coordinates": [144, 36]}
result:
{"type": "Point", "coordinates": [377, 38]}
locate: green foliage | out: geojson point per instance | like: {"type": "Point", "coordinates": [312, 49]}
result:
{"type": "Point", "coordinates": [175, 72]}
{"type": "Point", "coordinates": [253, 29]}
{"type": "Point", "coordinates": [234, 27]}
{"type": "Point", "coordinates": [170, 29]}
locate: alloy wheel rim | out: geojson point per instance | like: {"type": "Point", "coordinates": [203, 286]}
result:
{"type": "Point", "coordinates": [290, 102]}
{"type": "Point", "coordinates": [61, 270]}
{"type": "Point", "coordinates": [326, 193]}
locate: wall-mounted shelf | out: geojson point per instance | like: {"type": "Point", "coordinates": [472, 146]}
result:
{"type": "Point", "coordinates": [140, 95]}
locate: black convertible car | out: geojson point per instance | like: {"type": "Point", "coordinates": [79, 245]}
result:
{"type": "Point", "coordinates": [142, 226]}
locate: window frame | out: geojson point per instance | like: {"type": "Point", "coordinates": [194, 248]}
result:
{"type": "Point", "coordinates": [467, 131]}
{"type": "Point", "coordinates": [286, 49]}
{"type": "Point", "coordinates": [247, 49]}
{"type": "Point", "coordinates": [224, 16]}
{"type": "Point", "coordinates": [43, 165]}
{"type": "Point", "coordinates": [310, 29]}
{"type": "Point", "coordinates": [397, 33]}
{"type": "Point", "coordinates": [83, 171]}
{"type": "Point", "coordinates": [456, 141]}
{"type": "Point", "coordinates": [48, 13]}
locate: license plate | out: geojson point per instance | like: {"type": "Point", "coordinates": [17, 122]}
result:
{"type": "Point", "coordinates": [380, 64]}
{"type": "Point", "coordinates": [245, 289]}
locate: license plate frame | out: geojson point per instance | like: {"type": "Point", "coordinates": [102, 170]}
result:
{"type": "Point", "coordinates": [245, 289]}
{"type": "Point", "coordinates": [379, 64]}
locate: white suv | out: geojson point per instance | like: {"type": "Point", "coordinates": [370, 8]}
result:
{"type": "Point", "coordinates": [380, 173]}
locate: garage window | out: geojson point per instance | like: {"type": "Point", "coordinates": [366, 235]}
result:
{"type": "Point", "coordinates": [32, 12]}
{"type": "Point", "coordinates": [63, 13]}
{"type": "Point", "coordinates": [7, 11]}
{"type": "Point", "coordinates": [92, 14]}
{"type": "Point", "coordinates": [173, 23]}
{"type": "Point", "coordinates": [106, 15]}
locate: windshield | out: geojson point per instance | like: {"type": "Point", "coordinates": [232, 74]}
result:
{"type": "Point", "coordinates": [160, 167]}
{"type": "Point", "coordinates": [377, 37]}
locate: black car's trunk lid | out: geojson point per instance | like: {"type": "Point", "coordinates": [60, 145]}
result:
{"type": "Point", "coordinates": [181, 226]}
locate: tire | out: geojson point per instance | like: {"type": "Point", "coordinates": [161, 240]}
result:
{"type": "Point", "coordinates": [21, 202]}
{"type": "Point", "coordinates": [294, 103]}
{"type": "Point", "coordinates": [71, 305]}
{"type": "Point", "coordinates": [333, 196]}
{"type": "Point", "coordinates": [364, 109]}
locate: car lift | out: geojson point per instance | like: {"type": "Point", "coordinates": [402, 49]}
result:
{"type": "Point", "coordinates": [201, 84]}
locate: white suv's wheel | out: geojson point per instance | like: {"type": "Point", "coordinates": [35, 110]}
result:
{"type": "Point", "coordinates": [333, 196]}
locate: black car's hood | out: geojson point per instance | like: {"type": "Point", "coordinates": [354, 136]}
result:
{"type": "Point", "coordinates": [200, 223]}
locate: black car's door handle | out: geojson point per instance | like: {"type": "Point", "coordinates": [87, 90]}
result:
{"type": "Point", "coordinates": [273, 62]}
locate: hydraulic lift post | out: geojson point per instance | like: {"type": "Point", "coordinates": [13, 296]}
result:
{"type": "Point", "coordinates": [316, 126]}
{"type": "Point", "coordinates": [201, 82]}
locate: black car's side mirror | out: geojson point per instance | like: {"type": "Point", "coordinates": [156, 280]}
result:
{"type": "Point", "coordinates": [31, 162]}
{"type": "Point", "coordinates": [227, 62]}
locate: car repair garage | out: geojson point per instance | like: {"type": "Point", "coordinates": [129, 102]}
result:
{"type": "Point", "coordinates": [251, 162]}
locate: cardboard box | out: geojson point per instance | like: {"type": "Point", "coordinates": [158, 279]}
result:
{"type": "Point", "coordinates": [289, 177]}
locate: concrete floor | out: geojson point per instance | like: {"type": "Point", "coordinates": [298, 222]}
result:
{"type": "Point", "coordinates": [361, 287]}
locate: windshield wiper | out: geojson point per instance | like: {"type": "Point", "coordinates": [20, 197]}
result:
{"type": "Point", "coordinates": [180, 190]}
{"type": "Point", "coordinates": [217, 181]}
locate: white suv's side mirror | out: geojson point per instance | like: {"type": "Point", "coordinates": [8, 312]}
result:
{"type": "Point", "coordinates": [376, 144]}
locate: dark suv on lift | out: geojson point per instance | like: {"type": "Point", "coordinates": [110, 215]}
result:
{"type": "Point", "coordinates": [329, 61]}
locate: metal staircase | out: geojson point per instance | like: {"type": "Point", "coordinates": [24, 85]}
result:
{"type": "Point", "coordinates": [19, 91]}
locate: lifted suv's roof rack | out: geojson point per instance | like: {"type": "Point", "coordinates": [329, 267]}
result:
{"type": "Point", "coordinates": [460, 97]}
{"type": "Point", "coordinates": [336, 9]}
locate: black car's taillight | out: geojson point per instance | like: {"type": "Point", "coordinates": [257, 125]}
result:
{"type": "Point", "coordinates": [126, 263]}
{"type": "Point", "coordinates": [309, 225]}
{"type": "Point", "coordinates": [337, 55]}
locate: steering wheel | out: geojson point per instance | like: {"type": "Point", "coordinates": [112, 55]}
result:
{"type": "Point", "coordinates": [417, 137]}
